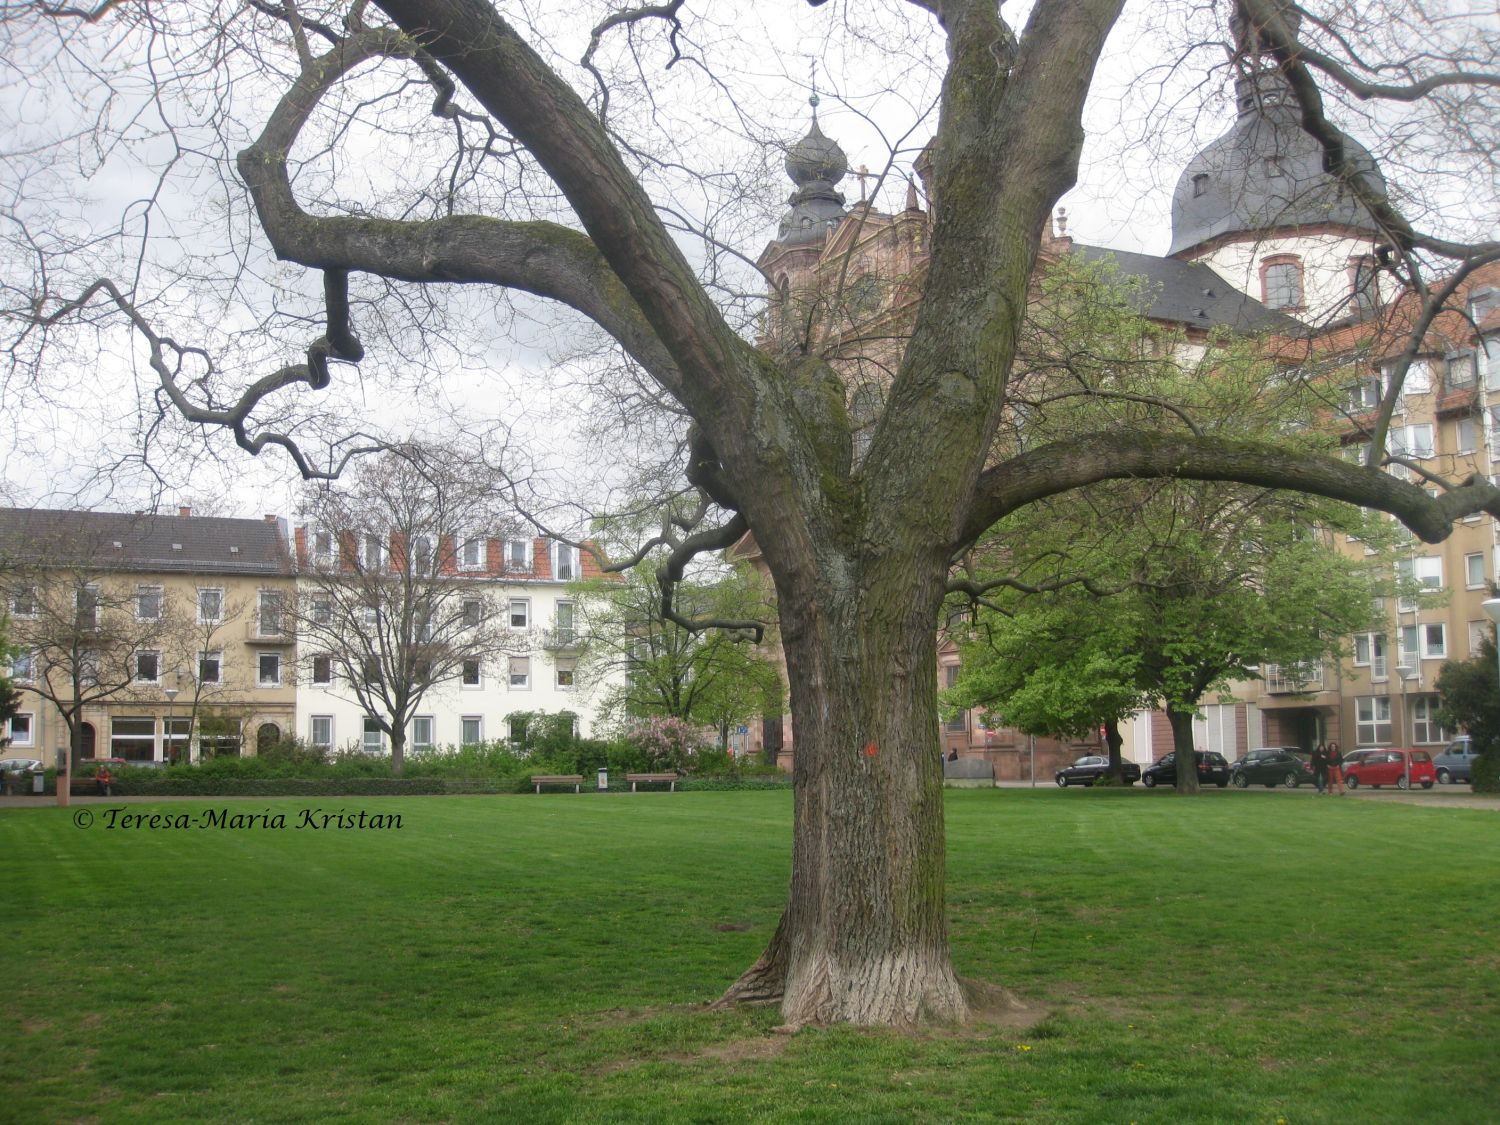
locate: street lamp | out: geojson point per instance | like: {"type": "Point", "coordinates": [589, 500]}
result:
{"type": "Point", "coordinates": [1407, 674]}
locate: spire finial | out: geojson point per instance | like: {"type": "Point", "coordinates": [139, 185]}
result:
{"type": "Point", "coordinates": [813, 101]}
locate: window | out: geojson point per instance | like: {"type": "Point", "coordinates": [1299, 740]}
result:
{"type": "Point", "coordinates": [421, 734]}
{"type": "Point", "coordinates": [1411, 441]}
{"type": "Point", "coordinates": [1481, 303]}
{"type": "Point", "coordinates": [1200, 185]}
{"type": "Point", "coordinates": [1478, 631]}
{"type": "Point", "coordinates": [210, 667]}
{"type": "Point", "coordinates": [473, 613]}
{"type": "Point", "coordinates": [421, 554]}
{"type": "Point", "coordinates": [471, 675]}
{"type": "Point", "coordinates": [1364, 286]}
{"type": "Point", "coordinates": [1488, 360]}
{"type": "Point", "coordinates": [515, 726]}
{"type": "Point", "coordinates": [565, 563]}
{"type": "Point", "coordinates": [520, 613]}
{"type": "Point", "coordinates": [369, 670]}
{"type": "Point", "coordinates": [1426, 572]}
{"type": "Point", "coordinates": [520, 672]}
{"type": "Point", "coordinates": [1407, 645]}
{"type": "Point", "coordinates": [324, 548]}
{"type": "Point", "coordinates": [565, 676]}
{"type": "Point", "coordinates": [1465, 436]}
{"type": "Point", "coordinates": [517, 554]}
{"type": "Point", "coordinates": [1418, 379]}
{"type": "Point", "coordinates": [1372, 720]}
{"type": "Point", "coordinates": [472, 730]}
{"type": "Point", "coordinates": [1281, 282]}
{"type": "Point", "coordinates": [322, 670]}
{"type": "Point", "coordinates": [176, 735]}
{"type": "Point", "coordinates": [86, 602]}
{"type": "Point", "coordinates": [1425, 729]}
{"type": "Point", "coordinates": [147, 668]}
{"type": "Point", "coordinates": [372, 552]}
{"type": "Point", "coordinates": [320, 732]}
{"type": "Point", "coordinates": [1362, 395]}
{"type": "Point", "coordinates": [132, 739]}
{"type": "Point", "coordinates": [1474, 571]}
{"type": "Point", "coordinates": [1369, 652]}
{"type": "Point", "coordinates": [148, 603]}
{"type": "Point", "coordinates": [372, 740]}
{"type": "Point", "coordinates": [471, 553]}
{"type": "Point", "coordinates": [268, 669]}
{"type": "Point", "coordinates": [422, 623]}
{"type": "Point", "coordinates": [564, 617]}
{"type": "Point", "coordinates": [269, 614]}
{"type": "Point", "coordinates": [210, 606]}
{"type": "Point", "coordinates": [1460, 371]}
{"type": "Point", "coordinates": [322, 609]}
{"type": "Point", "coordinates": [1434, 641]}
{"type": "Point", "coordinates": [23, 603]}
{"type": "Point", "coordinates": [23, 667]}
{"type": "Point", "coordinates": [20, 730]}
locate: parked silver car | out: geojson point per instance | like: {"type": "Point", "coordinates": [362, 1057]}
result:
{"type": "Point", "coordinates": [1455, 763]}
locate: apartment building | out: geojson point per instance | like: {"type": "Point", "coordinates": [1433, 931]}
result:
{"type": "Point", "coordinates": [516, 589]}
{"type": "Point", "coordinates": [160, 637]}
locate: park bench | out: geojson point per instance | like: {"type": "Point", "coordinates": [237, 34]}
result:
{"type": "Point", "coordinates": [540, 779]}
{"type": "Point", "coordinates": [670, 778]}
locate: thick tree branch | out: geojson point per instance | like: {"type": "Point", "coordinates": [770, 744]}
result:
{"type": "Point", "coordinates": [1060, 467]}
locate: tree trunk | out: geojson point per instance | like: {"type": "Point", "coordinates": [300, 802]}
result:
{"type": "Point", "coordinates": [864, 936]}
{"type": "Point", "coordinates": [1113, 741]}
{"type": "Point", "coordinates": [398, 751]}
{"type": "Point", "coordinates": [1182, 743]}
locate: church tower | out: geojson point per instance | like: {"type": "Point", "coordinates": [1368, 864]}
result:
{"type": "Point", "coordinates": [1257, 207]}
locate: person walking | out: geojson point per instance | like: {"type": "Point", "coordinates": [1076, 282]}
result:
{"type": "Point", "coordinates": [1320, 768]}
{"type": "Point", "coordinates": [1335, 769]}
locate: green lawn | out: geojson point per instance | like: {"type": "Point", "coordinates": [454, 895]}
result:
{"type": "Point", "coordinates": [548, 959]}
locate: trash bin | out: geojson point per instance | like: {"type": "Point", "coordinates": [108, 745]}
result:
{"type": "Point", "coordinates": [38, 783]}
{"type": "Point", "coordinates": [603, 779]}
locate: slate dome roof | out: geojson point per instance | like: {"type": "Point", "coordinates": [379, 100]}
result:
{"type": "Point", "coordinates": [815, 164]}
{"type": "Point", "coordinates": [1265, 174]}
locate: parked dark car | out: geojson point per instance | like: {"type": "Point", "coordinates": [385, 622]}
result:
{"type": "Point", "coordinates": [1400, 768]}
{"type": "Point", "coordinates": [1212, 769]}
{"type": "Point", "coordinates": [1457, 762]}
{"type": "Point", "coordinates": [1271, 767]}
{"type": "Point", "coordinates": [1089, 768]}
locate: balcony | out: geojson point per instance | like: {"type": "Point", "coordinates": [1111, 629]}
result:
{"type": "Point", "coordinates": [1293, 679]}
{"type": "Point", "coordinates": [563, 640]}
{"type": "Point", "coordinates": [272, 631]}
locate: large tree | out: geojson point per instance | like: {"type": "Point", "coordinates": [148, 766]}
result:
{"type": "Point", "coordinates": [859, 549]}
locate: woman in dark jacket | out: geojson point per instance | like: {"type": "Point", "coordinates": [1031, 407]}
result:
{"type": "Point", "coordinates": [1320, 768]}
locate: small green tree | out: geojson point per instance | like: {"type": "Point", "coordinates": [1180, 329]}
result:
{"type": "Point", "coordinates": [1470, 700]}
{"type": "Point", "coordinates": [711, 678]}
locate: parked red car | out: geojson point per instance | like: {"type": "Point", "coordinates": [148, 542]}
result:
{"type": "Point", "coordinates": [1401, 768]}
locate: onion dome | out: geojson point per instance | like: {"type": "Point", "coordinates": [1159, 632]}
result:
{"type": "Point", "coordinates": [815, 164]}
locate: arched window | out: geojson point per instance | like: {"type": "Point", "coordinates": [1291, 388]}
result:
{"type": "Point", "coordinates": [1281, 282]}
{"type": "Point", "coordinates": [267, 736]}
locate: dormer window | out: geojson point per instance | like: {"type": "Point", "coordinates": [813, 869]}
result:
{"type": "Point", "coordinates": [1200, 185]}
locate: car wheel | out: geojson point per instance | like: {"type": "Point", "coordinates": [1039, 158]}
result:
{"type": "Point", "coordinates": [1062, 782]}
{"type": "Point", "coordinates": [1352, 781]}
{"type": "Point", "coordinates": [1290, 780]}
{"type": "Point", "coordinates": [1149, 781]}
{"type": "Point", "coordinates": [1444, 777]}
{"type": "Point", "coordinates": [1241, 781]}
{"type": "Point", "coordinates": [1403, 783]}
